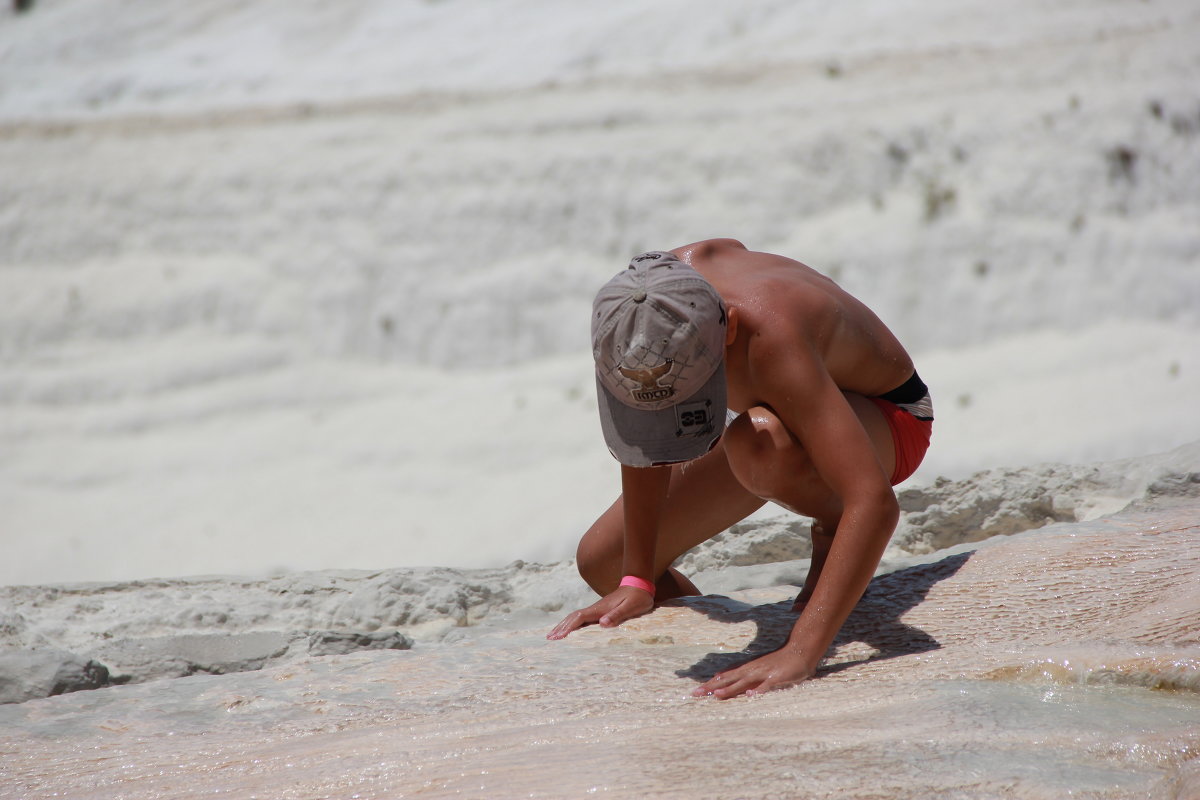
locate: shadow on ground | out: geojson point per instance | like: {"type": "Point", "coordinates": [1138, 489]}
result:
{"type": "Point", "coordinates": [876, 621]}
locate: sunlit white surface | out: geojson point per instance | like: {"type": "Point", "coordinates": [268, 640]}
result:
{"type": "Point", "coordinates": [296, 286]}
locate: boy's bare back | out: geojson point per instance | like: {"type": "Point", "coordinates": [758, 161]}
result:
{"type": "Point", "coordinates": [794, 312]}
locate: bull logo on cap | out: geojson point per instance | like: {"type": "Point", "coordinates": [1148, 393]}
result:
{"type": "Point", "coordinates": [647, 379]}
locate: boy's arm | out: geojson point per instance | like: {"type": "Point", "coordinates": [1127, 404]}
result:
{"type": "Point", "coordinates": [842, 453]}
{"type": "Point", "coordinates": [643, 493]}
{"type": "Point", "coordinates": [857, 548]}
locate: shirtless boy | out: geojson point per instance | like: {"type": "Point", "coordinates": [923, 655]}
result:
{"type": "Point", "coordinates": [830, 414]}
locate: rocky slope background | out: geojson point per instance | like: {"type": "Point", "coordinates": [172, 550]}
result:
{"type": "Point", "coordinates": [68, 637]}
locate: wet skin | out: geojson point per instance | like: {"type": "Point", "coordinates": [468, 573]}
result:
{"type": "Point", "coordinates": [801, 357]}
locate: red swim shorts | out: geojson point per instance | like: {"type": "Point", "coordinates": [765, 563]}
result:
{"type": "Point", "coordinates": [910, 435]}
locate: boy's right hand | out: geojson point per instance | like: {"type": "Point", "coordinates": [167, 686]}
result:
{"type": "Point", "coordinates": [610, 611]}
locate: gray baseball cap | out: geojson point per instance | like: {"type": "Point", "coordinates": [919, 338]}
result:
{"type": "Point", "coordinates": [658, 337]}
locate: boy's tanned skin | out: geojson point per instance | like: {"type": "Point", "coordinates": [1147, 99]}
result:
{"type": "Point", "coordinates": [801, 358]}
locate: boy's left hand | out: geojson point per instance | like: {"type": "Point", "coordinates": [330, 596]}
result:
{"type": "Point", "coordinates": [778, 670]}
{"type": "Point", "coordinates": [623, 604]}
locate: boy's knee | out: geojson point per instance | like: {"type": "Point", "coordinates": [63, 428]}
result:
{"type": "Point", "coordinates": [763, 454]}
{"type": "Point", "coordinates": [597, 559]}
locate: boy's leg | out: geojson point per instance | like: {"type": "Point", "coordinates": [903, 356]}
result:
{"type": "Point", "coordinates": [704, 499]}
{"type": "Point", "coordinates": [771, 461]}
{"type": "Point", "coordinates": [822, 540]}
{"type": "Point", "coordinates": [708, 495]}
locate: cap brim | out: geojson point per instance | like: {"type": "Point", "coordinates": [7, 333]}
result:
{"type": "Point", "coordinates": [682, 432]}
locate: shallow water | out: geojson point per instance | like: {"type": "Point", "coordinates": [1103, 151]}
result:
{"type": "Point", "coordinates": [521, 717]}
{"type": "Point", "coordinates": [1026, 668]}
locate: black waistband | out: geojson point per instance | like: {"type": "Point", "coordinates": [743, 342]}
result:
{"type": "Point", "coordinates": [911, 391]}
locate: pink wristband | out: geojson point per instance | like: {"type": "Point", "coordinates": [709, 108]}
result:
{"type": "Point", "coordinates": [638, 583]}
